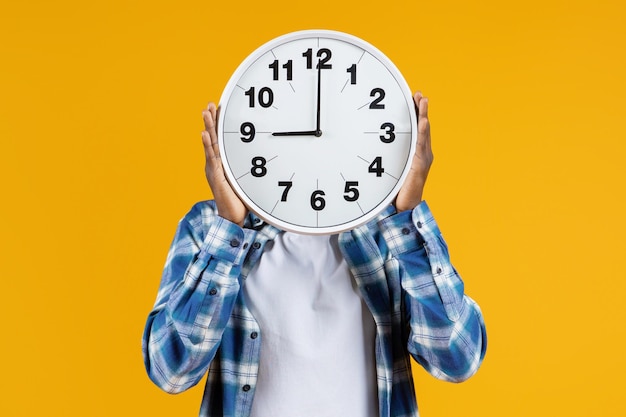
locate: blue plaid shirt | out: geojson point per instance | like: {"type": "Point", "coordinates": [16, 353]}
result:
{"type": "Point", "coordinates": [400, 262]}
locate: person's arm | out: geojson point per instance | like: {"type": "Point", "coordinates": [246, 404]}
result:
{"type": "Point", "coordinates": [447, 331]}
{"type": "Point", "coordinates": [200, 281]}
{"type": "Point", "coordinates": [195, 299]}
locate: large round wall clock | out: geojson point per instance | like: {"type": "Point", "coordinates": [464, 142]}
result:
{"type": "Point", "coordinates": [317, 130]}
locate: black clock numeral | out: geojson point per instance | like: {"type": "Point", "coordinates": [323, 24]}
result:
{"type": "Point", "coordinates": [317, 200]}
{"type": "Point", "coordinates": [327, 54]}
{"type": "Point", "coordinates": [248, 131]}
{"type": "Point", "coordinates": [379, 93]}
{"type": "Point", "coordinates": [352, 71]}
{"type": "Point", "coordinates": [258, 166]}
{"type": "Point", "coordinates": [323, 61]}
{"type": "Point", "coordinates": [351, 192]}
{"type": "Point", "coordinates": [266, 96]}
{"type": "Point", "coordinates": [389, 136]}
{"type": "Point", "coordinates": [376, 167]}
{"type": "Point", "coordinates": [287, 66]}
{"type": "Point", "coordinates": [287, 185]}
{"type": "Point", "coordinates": [309, 58]}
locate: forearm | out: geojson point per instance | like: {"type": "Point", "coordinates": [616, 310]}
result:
{"type": "Point", "coordinates": [447, 333]}
{"type": "Point", "coordinates": [183, 334]}
{"type": "Point", "coordinates": [449, 350]}
{"type": "Point", "coordinates": [198, 291]}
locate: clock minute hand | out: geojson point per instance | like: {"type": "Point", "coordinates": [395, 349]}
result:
{"type": "Point", "coordinates": [318, 129]}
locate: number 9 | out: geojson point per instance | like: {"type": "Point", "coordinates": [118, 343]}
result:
{"type": "Point", "coordinates": [248, 131]}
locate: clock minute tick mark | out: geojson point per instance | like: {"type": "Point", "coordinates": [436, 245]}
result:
{"type": "Point", "coordinates": [344, 86]}
{"type": "Point", "coordinates": [241, 176]}
{"type": "Point", "coordinates": [395, 178]}
{"type": "Point", "coordinates": [274, 208]}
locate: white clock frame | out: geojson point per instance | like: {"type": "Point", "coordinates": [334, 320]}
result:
{"type": "Point", "coordinates": [230, 154]}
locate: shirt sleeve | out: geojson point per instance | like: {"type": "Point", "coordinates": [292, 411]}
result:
{"type": "Point", "coordinates": [198, 290]}
{"type": "Point", "coordinates": [447, 330]}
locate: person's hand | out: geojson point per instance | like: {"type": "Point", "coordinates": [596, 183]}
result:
{"type": "Point", "coordinates": [410, 194]}
{"type": "Point", "coordinates": [229, 206]}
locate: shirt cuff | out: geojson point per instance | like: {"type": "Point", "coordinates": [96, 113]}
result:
{"type": "Point", "coordinates": [226, 241]}
{"type": "Point", "coordinates": [400, 230]}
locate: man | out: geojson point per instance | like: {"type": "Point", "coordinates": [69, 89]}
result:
{"type": "Point", "coordinates": [294, 325]}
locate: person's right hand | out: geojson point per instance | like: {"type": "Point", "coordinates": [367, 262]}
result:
{"type": "Point", "coordinates": [229, 206]}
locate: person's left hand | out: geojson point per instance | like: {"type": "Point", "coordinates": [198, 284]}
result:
{"type": "Point", "coordinates": [410, 194]}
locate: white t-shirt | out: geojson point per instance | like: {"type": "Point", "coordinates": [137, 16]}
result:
{"type": "Point", "coordinates": [317, 334]}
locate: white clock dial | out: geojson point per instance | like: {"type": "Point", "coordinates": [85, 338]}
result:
{"type": "Point", "coordinates": [316, 131]}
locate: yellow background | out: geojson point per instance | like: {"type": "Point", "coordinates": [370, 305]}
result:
{"type": "Point", "coordinates": [101, 155]}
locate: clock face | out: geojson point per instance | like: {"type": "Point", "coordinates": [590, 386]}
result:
{"type": "Point", "coordinates": [316, 131]}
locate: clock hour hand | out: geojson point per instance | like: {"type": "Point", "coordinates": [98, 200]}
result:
{"type": "Point", "coordinates": [318, 131]}
{"type": "Point", "coordinates": [299, 133]}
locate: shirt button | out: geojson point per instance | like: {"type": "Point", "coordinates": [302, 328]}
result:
{"type": "Point", "coordinates": [406, 231]}
{"type": "Point", "coordinates": [234, 243]}
{"type": "Point", "coordinates": [254, 335]}
{"type": "Point", "coordinates": [256, 245]}
{"type": "Point", "coordinates": [439, 270]}
{"type": "Point", "coordinates": [245, 245]}
{"type": "Point", "coordinates": [419, 225]}
{"type": "Point", "coordinates": [246, 388]}
{"type": "Point", "coordinates": [213, 291]}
